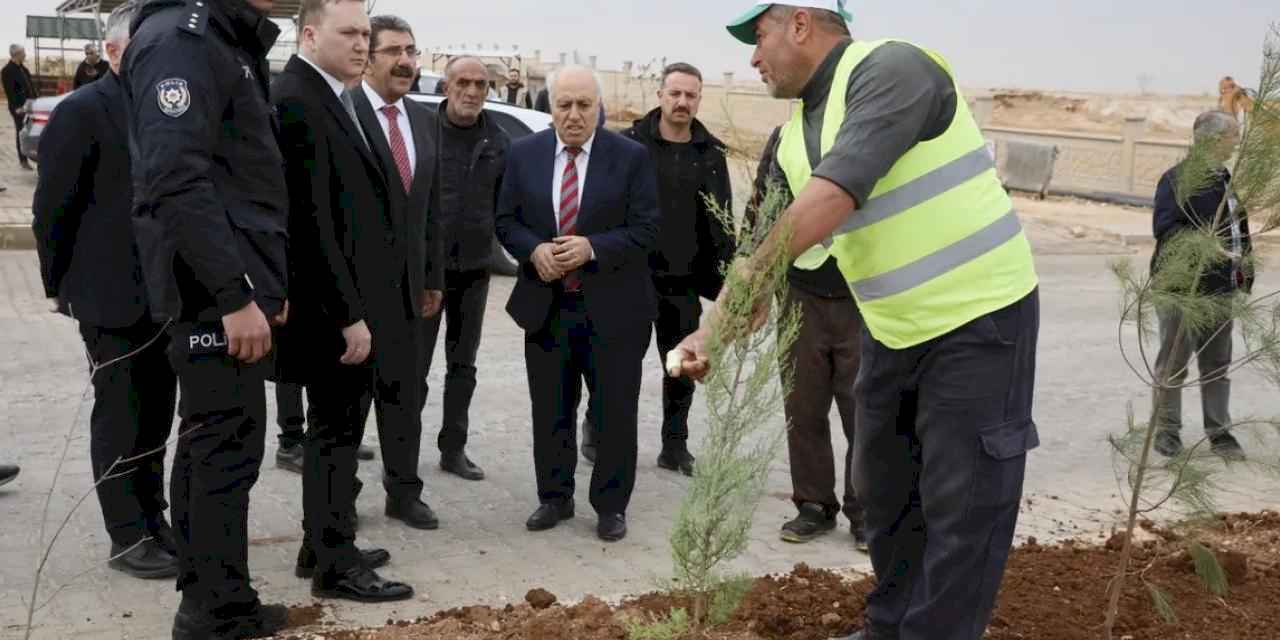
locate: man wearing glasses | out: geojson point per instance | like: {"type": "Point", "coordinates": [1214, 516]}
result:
{"type": "Point", "coordinates": [400, 132]}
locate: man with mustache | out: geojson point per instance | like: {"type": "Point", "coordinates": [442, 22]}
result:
{"type": "Point", "coordinates": [473, 158]}
{"type": "Point", "coordinates": [579, 211]}
{"type": "Point", "coordinates": [92, 68]}
{"type": "Point", "coordinates": [401, 133]}
{"type": "Point", "coordinates": [694, 244]}
{"type": "Point", "coordinates": [343, 301]}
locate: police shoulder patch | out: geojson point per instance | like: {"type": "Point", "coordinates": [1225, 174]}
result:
{"type": "Point", "coordinates": [173, 97]}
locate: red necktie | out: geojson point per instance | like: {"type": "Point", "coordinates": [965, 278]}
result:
{"type": "Point", "coordinates": [399, 150]}
{"type": "Point", "coordinates": [569, 209]}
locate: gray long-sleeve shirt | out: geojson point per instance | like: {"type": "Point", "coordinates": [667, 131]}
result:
{"type": "Point", "coordinates": [898, 96]}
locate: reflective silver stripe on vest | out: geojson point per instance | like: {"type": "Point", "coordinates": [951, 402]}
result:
{"type": "Point", "coordinates": [920, 190]}
{"type": "Point", "coordinates": [939, 262]}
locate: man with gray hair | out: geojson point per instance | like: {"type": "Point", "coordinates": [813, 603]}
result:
{"type": "Point", "coordinates": [18, 88]}
{"type": "Point", "coordinates": [93, 67]}
{"type": "Point", "coordinates": [81, 210]}
{"type": "Point", "coordinates": [1225, 277]}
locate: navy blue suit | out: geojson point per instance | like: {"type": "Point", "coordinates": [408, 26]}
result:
{"type": "Point", "coordinates": [601, 332]}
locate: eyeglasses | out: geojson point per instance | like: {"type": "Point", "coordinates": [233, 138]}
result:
{"type": "Point", "coordinates": [396, 52]}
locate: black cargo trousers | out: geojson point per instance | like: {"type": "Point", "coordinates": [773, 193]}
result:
{"type": "Point", "coordinates": [939, 456]}
{"type": "Point", "coordinates": [222, 407]}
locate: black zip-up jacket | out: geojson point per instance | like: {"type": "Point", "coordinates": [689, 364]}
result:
{"type": "Point", "coordinates": [1171, 218]}
{"type": "Point", "coordinates": [210, 202]}
{"type": "Point", "coordinates": [468, 234]}
{"type": "Point", "coordinates": [18, 88]}
{"type": "Point", "coordinates": [716, 244]}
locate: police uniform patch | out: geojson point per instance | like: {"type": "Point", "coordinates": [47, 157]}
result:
{"type": "Point", "coordinates": [173, 96]}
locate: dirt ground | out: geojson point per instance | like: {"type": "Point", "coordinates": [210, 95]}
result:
{"type": "Point", "coordinates": [1049, 593]}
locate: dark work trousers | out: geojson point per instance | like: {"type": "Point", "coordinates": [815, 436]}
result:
{"type": "Point", "coordinates": [290, 416]}
{"type": "Point", "coordinates": [939, 455]}
{"type": "Point", "coordinates": [1213, 360]}
{"type": "Point", "coordinates": [18, 120]}
{"type": "Point", "coordinates": [557, 358]}
{"type": "Point", "coordinates": [223, 408]}
{"type": "Point", "coordinates": [339, 403]}
{"type": "Point", "coordinates": [824, 364]}
{"type": "Point", "coordinates": [679, 311]}
{"type": "Point", "coordinates": [134, 393]}
{"type": "Point", "coordinates": [466, 293]}
{"type": "Point", "coordinates": [397, 402]}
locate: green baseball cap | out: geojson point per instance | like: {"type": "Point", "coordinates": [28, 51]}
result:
{"type": "Point", "coordinates": [744, 26]}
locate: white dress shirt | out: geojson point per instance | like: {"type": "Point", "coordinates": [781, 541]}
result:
{"type": "Point", "coordinates": [334, 84]}
{"type": "Point", "coordinates": [557, 175]}
{"type": "Point", "coordinates": [406, 130]}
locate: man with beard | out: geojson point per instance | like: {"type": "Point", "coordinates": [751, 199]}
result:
{"type": "Point", "coordinates": [514, 92]}
{"type": "Point", "coordinates": [694, 245]}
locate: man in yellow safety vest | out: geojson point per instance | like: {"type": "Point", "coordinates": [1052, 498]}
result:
{"type": "Point", "coordinates": [892, 178]}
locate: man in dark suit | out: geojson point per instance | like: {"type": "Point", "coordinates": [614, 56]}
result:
{"type": "Point", "coordinates": [89, 265]}
{"type": "Point", "coordinates": [401, 134]}
{"type": "Point", "coordinates": [18, 89]}
{"type": "Point", "coordinates": [579, 210]}
{"type": "Point", "coordinates": [345, 287]}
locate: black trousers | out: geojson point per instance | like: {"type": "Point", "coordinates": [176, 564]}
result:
{"type": "Point", "coordinates": [133, 404]}
{"type": "Point", "coordinates": [397, 403]}
{"type": "Point", "coordinates": [465, 297]}
{"type": "Point", "coordinates": [18, 120]}
{"type": "Point", "coordinates": [339, 404]}
{"type": "Point", "coordinates": [223, 409]}
{"type": "Point", "coordinates": [939, 456]}
{"type": "Point", "coordinates": [557, 358]}
{"type": "Point", "coordinates": [824, 365]}
{"type": "Point", "coordinates": [290, 416]}
{"type": "Point", "coordinates": [679, 311]}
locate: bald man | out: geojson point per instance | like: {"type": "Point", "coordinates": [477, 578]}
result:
{"type": "Point", "coordinates": [579, 211]}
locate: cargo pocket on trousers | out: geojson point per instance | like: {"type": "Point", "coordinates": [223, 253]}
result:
{"type": "Point", "coordinates": [1002, 463]}
{"type": "Point", "coordinates": [209, 380]}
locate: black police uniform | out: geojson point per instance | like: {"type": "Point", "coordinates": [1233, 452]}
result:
{"type": "Point", "coordinates": [209, 216]}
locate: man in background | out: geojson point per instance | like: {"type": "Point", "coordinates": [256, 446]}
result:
{"type": "Point", "coordinates": [18, 89]}
{"type": "Point", "coordinates": [514, 91]}
{"type": "Point", "coordinates": [473, 158]}
{"type": "Point", "coordinates": [91, 68]}
{"type": "Point", "coordinates": [88, 260]}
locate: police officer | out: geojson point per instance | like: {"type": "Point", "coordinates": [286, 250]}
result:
{"type": "Point", "coordinates": [209, 215]}
{"type": "Point", "coordinates": [893, 179]}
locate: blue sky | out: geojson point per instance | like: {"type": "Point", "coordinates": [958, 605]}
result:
{"type": "Point", "coordinates": [1087, 45]}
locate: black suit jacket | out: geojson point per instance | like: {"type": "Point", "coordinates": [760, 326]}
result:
{"type": "Point", "coordinates": [82, 208]}
{"type": "Point", "coordinates": [18, 88]}
{"type": "Point", "coordinates": [618, 215]}
{"type": "Point", "coordinates": [416, 211]}
{"type": "Point", "coordinates": [1171, 217]}
{"type": "Point", "coordinates": [349, 254]}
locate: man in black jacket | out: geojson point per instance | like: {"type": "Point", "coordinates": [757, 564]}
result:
{"type": "Point", "coordinates": [210, 206]}
{"type": "Point", "coordinates": [340, 293]}
{"type": "Point", "coordinates": [18, 89]}
{"type": "Point", "coordinates": [473, 156]}
{"type": "Point", "coordinates": [81, 211]}
{"type": "Point", "coordinates": [1226, 277]}
{"type": "Point", "coordinates": [92, 68]}
{"type": "Point", "coordinates": [694, 244]}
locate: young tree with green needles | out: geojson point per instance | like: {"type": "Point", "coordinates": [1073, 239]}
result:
{"type": "Point", "coordinates": [1185, 295]}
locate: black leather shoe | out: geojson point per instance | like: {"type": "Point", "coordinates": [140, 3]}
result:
{"type": "Point", "coordinates": [145, 560]}
{"type": "Point", "coordinates": [364, 453]}
{"type": "Point", "coordinates": [414, 513]}
{"type": "Point", "coordinates": [460, 465]}
{"type": "Point", "coordinates": [369, 559]}
{"type": "Point", "coordinates": [7, 473]}
{"type": "Point", "coordinates": [612, 527]}
{"type": "Point", "coordinates": [360, 584]}
{"type": "Point", "coordinates": [290, 458]}
{"type": "Point", "coordinates": [195, 622]}
{"type": "Point", "coordinates": [162, 533]}
{"type": "Point", "coordinates": [549, 514]}
{"type": "Point", "coordinates": [676, 458]}
{"type": "Point", "coordinates": [1226, 446]}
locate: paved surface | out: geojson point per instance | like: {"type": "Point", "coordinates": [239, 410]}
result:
{"type": "Point", "coordinates": [482, 552]}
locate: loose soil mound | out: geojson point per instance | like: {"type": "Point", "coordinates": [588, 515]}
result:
{"type": "Point", "coordinates": [1049, 593]}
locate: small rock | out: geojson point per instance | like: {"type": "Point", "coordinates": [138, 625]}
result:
{"type": "Point", "coordinates": [1116, 542]}
{"type": "Point", "coordinates": [495, 626]}
{"type": "Point", "coordinates": [830, 619]}
{"type": "Point", "coordinates": [1057, 589]}
{"type": "Point", "coordinates": [540, 598]}
{"type": "Point", "coordinates": [802, 582]}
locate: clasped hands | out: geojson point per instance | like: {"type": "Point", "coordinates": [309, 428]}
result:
{"type": "Point", "coordinates": [560, 256]}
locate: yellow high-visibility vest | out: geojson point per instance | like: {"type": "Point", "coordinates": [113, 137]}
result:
{"type": "Point", "coordinates": [937, 244]}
